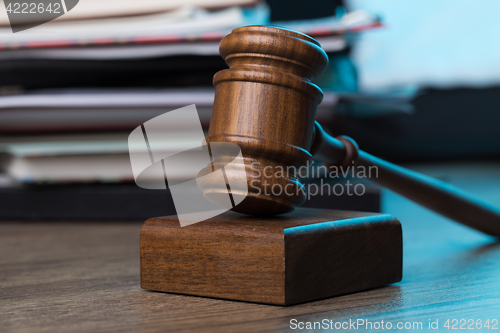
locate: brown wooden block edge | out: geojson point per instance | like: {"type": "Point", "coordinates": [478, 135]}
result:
{"type": "Point", "coordinates": [336, 267]}
{"type": "Point", "coordinates": [280, 261]}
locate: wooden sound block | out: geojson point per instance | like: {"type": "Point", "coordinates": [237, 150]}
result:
{"type": "Point", "coordinates": [306, 255]}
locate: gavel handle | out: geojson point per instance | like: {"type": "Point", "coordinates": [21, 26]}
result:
{"type": "Point", "coordinates": [436, 195]}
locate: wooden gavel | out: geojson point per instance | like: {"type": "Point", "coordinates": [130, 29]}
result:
{"type": "Point", "coordinates": [266, 104]}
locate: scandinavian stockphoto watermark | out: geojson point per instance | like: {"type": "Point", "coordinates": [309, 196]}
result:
{"type": "Point", "coordinates": [262, 183]}
{"type": "Point", "coordinates": [170, 150]}
{"type": "Point", "coordinates": [28, 14]}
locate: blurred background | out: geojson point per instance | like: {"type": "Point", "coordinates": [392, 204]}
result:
{"type": "Point", "coordinates": [414, 82]}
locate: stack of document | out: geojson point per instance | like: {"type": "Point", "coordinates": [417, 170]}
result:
{"type": "Point", "coordinates": [84, 81]}
{"type": "Point", "coordinates": [73, 89]}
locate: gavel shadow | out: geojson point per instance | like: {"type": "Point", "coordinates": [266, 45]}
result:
{"type": "Point", "coordinates": [480, 260]}
{"type": "Point", "coordinates": [486, 249]}
{"type": "Point", "coordinates": [471, 259]}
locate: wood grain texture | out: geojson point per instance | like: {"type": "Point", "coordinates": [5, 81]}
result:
{"type": "Point", "coordinates": [84, 277]}
{"type": "Point", "coordinates": [355, 251]}
{"type": "Point", "coordinates": [215, 261]}
{"type": "Point", "coordinates": [306, 255]}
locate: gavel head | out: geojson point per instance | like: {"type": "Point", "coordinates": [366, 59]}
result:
{"type": "Point", "coordinates": [266, 104]}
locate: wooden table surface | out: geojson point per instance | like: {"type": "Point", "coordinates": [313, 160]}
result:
{"type": "Point", "coordinates": [84, 277]}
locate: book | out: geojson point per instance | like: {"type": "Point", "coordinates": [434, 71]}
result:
{"type": "Point", "coordinates": [83, 158]}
